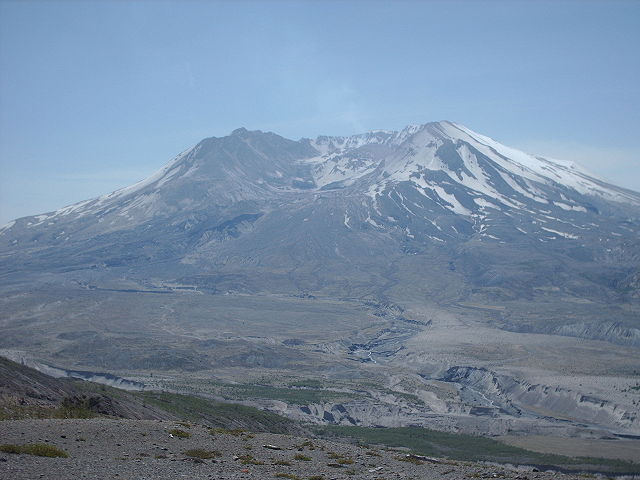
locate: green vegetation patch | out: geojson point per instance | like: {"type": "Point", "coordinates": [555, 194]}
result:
{"type": "Point", "coordinates": [221, 415]}
{"type": "Point", "coordinates": [81, 406]}
{"type": "Point", "coordinates": [176, 432]}
{"type": "Point", "coordinates": [296, 396]}
{"type": "Point", "coordinates": [249, 460]}
{"type": "Point", "coordinates": [472, 448]}
{"type": "Point", "coordinates": [415, 461]}
{"type": "Point", "coordinates": [307, 383]}
{"type": "Point", "coordinates": [236, 432]}
{"type": "Point", "coordinates": [202, 453]}
{"type": "Point", "coordinates": [38, 449]}
{"type": "Point", "coordinates": [20, 412]}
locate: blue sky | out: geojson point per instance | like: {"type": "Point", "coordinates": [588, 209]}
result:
{"type": "Point", "coordinates": [97, 95]}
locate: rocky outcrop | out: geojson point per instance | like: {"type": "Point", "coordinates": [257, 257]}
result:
{"type": "Point", "coordinates": [520, 398]}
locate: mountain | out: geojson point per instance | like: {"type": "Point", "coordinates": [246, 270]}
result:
{"type": "Point", "coordinates": [268, 210]}
{"type": "Point", "coordinates": [253, 252]}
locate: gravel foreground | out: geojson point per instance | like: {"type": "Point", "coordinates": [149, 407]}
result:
{"type": "Point", "coordinates": [145, 449]}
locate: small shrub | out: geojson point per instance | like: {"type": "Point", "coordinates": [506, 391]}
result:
{"type": "Point", "coordinates": [176, 432]}
{"type": "Point", "coordinates": [201, 453]}
{"type": "Point", "coordinates": [7, 448]}
{"type": "Point", "coordinates": [249, 460]}
{"type": "Point", "coordinates": [299, 456]}
{"type": "Point", "coordinates": [37, 449]}
{"type": "Point", "coordinates": [345, 461]}
{"type": "Point", "coordinates": [413, 460]}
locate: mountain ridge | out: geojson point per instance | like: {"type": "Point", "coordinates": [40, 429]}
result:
{"type": "Point", "coordinates": [400, 192]}
{"type": "Point", "coordinates": [332, 144]}
{"type": "Point", "coordinates": [381, 259]}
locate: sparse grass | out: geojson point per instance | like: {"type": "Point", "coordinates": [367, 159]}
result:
{"type": "Point", "coordinates": [202, 453]}
{"type": "Point", "coordinates": [176, 432]}
{"type": "Point", "coordinates": [236, 432]}
{"type": "Point", "coordinates": [302, 457]}
{"type": "Point", "coordinates": [185, 424]}
{"type": "Point", "coordinates": [340, 459]}
{"type": "Point", "coordinates": [307, 383]}
{"type": "Point", "coordinates": [218, 414]}
{"type": "Point", "coordinates": [316, 477]}
{"type": "Point", "coordinates": [372, 453]}
{"type": "Point", "coordinates": [413, 460]}
{"type": "Point", "coordinates": [296, 396]}
{"type": "Point", "coordinates": [38, 449]}
{"type": "Point", "coordinates": [249, 460]}
{"type": "Point", "coordinates": [19, 412]}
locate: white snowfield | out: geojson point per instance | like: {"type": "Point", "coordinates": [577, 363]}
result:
{"type": "Point", "coordinates": [376, 161]}
{"type": "Point", "coordinates": [339, 162]}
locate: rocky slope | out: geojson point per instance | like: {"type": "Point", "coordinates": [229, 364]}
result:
{"type": "Point", "coordinates": [101, 449]}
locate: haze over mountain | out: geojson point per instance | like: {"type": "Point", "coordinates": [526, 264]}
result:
{"type": "Point", "coordinates": [431, 254]}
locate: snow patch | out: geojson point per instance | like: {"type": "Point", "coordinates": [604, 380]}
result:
{"type": "Point", "coordinates": [562, 234]}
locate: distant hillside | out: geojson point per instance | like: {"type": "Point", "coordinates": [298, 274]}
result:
{"type": "Point", "coordinates": [28, 393]}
